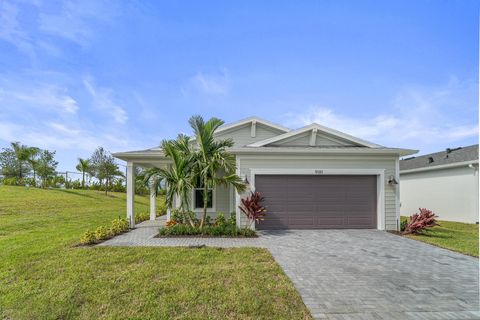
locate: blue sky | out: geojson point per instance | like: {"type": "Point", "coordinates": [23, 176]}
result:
{"type": "Point", "coordinates": [126, 74]}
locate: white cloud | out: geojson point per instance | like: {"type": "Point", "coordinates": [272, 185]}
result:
{"type": "Point", "coordinates": [33, 26]}
{"type": "Point", "coordinates": [212, 84]}
{"type": "Point", "coordinates": [40, 96]}
{"type": "Point", "coordinates": [76, 21]}
{"type": "Point", "coordinates": [418, 118]}
{"type": "Point", "coordinates": [103, 99]}
{"type": "Point", "coordinates": [11, 31]}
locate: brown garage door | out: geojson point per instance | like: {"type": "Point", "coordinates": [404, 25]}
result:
{"type": "Point", "coordinates": [318, 202]}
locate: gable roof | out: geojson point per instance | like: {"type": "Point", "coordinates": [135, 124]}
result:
{"type": "Point", "coordinates": [447, 157]}
{"type": "Point", "coordinates": [318, 127]}
{"type": "Point", "coordinates": [354, 145]}
{"type": "Point", "coordinates": [249, 120]}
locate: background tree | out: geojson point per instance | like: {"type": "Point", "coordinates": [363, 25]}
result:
{"type": "Point", "coordinates": [104, 167]}
{"type": "Point", "coordinates": [97, 160]}
{"type": "Point", "coordinates": [84, 167]}
{"type": "Point", "coordinates": [21, 153]}
{"type": "Point", "coordinates": [32, 160]}
{"type": "Point", "coordinates": [46, 166]}
{"type": "Point", "coordinates": [211, 157]}
{"type": "Point", "coordinates": [10, 166]}
{"type": "Point", "coordinates": [110, 171]}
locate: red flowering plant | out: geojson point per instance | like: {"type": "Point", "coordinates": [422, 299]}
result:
{"type": "Point", "coordinates": [420, 221]}
{"type": "Point", "coordinates": [252, 207]}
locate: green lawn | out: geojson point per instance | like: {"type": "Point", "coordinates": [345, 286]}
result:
{"type": "Point", "coordinates": [456, 236]}
{"type": "Point", "coordinates": [44, 276]}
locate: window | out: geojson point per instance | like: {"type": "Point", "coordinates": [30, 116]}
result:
{"type": "Point", "coordinates": [198, 201]}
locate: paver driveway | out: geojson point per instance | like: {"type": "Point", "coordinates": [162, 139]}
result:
{"type": "Point", "coordinates": [370, 274]}
{"type": "Point", "coordinates": [356, 274]}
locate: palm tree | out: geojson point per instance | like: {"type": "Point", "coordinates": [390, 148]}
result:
{"type": "Point", "coordinates": [33, 153]}
{"type": "Point", "coordinates": [179, 176]}
{"type": "Point", "coordinates": [83, 166]}
{"type": "Point", "coordinates": [211, 156]}
{"type": "Point", "coordinates": [22, 155]}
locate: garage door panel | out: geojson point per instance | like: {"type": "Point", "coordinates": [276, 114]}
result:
{"type": "Point", "coordinates": [318, 202]}
{"type": "Point", "coordinates": [331, 222]}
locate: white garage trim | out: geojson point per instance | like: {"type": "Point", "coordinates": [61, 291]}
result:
{"type": "Point", "coordinates": [380, 173]}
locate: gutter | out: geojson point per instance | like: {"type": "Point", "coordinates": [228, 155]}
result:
{"type": "Point", "coordinates": [440, 167]}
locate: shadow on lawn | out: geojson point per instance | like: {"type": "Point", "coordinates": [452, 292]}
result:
{"type": "Point", "coordinates": [74, 192]}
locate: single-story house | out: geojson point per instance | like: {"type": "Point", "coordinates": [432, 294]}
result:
{"type": "Point", "coordinates": [313, 177]}
{"type": "Point", "coordinates": [445, 182]}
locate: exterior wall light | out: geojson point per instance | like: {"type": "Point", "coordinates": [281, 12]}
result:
{"type": "Point", "coordinates": [392, 180]}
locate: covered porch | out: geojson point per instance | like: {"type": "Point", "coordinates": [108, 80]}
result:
{"type": "Point", "coordinates": [224, 199]}
{"type": "Point", "coordinates": [151, 158]}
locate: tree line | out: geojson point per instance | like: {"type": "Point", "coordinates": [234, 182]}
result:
{"type": "Point", "coordinates": [24, 165]}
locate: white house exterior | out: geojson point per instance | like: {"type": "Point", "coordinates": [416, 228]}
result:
{"type": "Point", "coordinates": [312, 178]}
{"type": "Point", "coordinates": [445, 182]}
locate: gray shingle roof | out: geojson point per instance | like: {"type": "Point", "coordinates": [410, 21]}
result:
{"type": "Point", "coordinates": [455, 155]}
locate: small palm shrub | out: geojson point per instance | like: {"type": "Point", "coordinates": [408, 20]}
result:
{"type": "Point", "coordinates": [88, 237]}
{"type": "Point", "coordinates": [419, 222]}
{"type": "Point", "coordinates": [119, 226]}
{"type": "Point", "coordinates": [102, 233]}
{"type": "Point", "coordinates": [143, 216]}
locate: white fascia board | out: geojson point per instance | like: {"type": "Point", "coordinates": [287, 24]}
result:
{"type": "Point", "coordinates": [142, 157]}
{"type": "Point", "coordinates": [440, 167]}
{"type": "Point", "coordinates": [279, 150]}
{"type": "Point", "coordinates": [319, 127]}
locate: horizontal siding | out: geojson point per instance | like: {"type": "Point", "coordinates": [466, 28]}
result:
{"type": "Point", "coordinates": [332, 162]}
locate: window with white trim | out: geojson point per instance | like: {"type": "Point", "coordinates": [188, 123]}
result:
{"type": "Point", "coordinates": [198, 197]}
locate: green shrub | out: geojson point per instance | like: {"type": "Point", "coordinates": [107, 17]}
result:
{"type": "Point", "coordinates": [161, 209]}
{"type": "Point", "coordinates": [403, 223]}
{"type": "Point", "coordinates": [88, 237]}
{"type": "Point", "coordinates": [13, 181]}
{"type": "Point", "coordinates": [208, 220]}
{"type": "Point", "coordinates": [232, 220]}
{"type": "Point", "coordinates": [220, 221]}
{"type": "Point", "coordinates": [103, 233]}
{"type": "Point", "coordinates": [187, 230]}
{"type": "Point", "coordinates": [119, 226]}
{"type": "Point", "coordinates": [140, 217]}
{"type": "Point", "coordinates": [183, 217]}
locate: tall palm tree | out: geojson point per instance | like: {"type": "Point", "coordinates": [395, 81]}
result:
{"type": "Point", "coordinates": [33, 153]}
{"type": "Point", "coordinates": [21, 153]}
{"type": "Point", "coordinates": [212, 156]}
{"type": "Point", "coordinates": [179, 176]}
{"type": "Point", "coordinates": [83, 166]}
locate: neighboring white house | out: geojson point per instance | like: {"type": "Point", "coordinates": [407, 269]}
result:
{"type": "Point", "coordinates": [311, 178]}
{"type": "Point", "coordinates": [445, 182]}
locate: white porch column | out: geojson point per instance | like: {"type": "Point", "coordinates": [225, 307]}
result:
{"type": "Point", "coordinates": [169, 210]}
{"type": "Point", "coordinates": [153, 201]}
{"type": "Point", "coordinates": [131, 194]}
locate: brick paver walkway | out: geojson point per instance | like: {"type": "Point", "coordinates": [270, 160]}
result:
{"type": "Point", "coordinates": [355, 274]}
